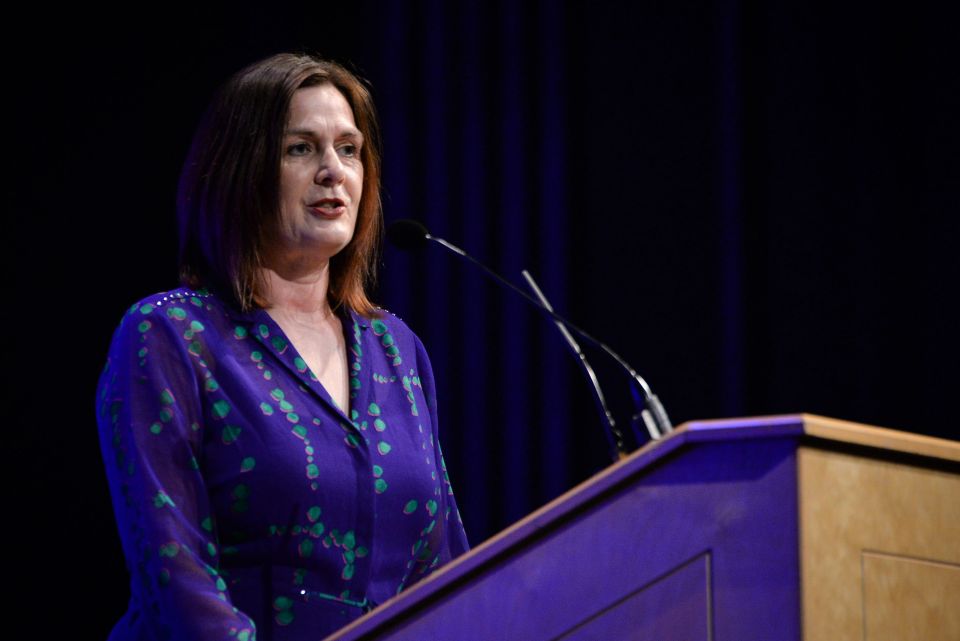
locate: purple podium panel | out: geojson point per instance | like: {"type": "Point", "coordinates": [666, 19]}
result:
{"type": "Point", "coordinates": [676, 606]}
{"type": "Point", "coordinates": [695, 537]}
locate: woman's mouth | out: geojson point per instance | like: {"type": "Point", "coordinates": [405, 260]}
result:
{"type": "Point", "coordinates": [329, 207]}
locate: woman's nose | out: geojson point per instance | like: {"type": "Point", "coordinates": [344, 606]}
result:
{"type": "Point", "coordinates": [330, 171]}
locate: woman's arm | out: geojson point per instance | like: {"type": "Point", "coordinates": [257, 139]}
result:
{"type": "Point", "coordinates": [454, 541]}
{"type": "Point", "coordinates": [151, 425]}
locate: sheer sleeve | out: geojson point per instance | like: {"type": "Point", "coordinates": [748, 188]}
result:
{"type": "Point", "coordinates": [151, 424]}
{"type": "Point", "coordinates": [454, 536]}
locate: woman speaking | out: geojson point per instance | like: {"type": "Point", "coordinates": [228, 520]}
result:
{"type": "Point", "coordinates": [269, 435]}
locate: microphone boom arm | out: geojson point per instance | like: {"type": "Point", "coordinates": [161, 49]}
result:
{"type": "Point", "coordinates": [614, 435]}
{"type": "Point", "coordinates": [653, 414]}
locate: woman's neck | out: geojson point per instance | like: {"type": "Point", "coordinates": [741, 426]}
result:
{"type": "Point", "coordinates": [297, 292]}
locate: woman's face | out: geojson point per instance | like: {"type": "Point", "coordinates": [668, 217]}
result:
{"type": "Point", "coordinates": [321, 175]}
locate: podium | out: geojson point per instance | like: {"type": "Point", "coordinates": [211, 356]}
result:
{"type": "Point", "coordinates": [786, 527]}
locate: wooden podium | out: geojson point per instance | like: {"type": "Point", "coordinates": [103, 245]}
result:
{"type": "Point", "coordinates": [787, 527]}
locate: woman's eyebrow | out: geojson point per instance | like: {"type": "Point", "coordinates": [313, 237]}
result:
{"type": "Point", "coordinates": [346, 133]}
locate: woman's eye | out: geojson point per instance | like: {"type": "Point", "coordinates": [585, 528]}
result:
{"type": "Point", "coordinates": [298, 149]}
{"type": "Point", "coordinates": [349, 150]}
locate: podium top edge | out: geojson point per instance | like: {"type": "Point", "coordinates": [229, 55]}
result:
{"type": "Point", "coordinates": [820, 427]}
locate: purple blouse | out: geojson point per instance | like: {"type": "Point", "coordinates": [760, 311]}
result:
{"type": "Point", "coordinates": [247, 502]}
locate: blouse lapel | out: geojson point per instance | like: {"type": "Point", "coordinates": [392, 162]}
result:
{"type": "Point", "coordinates": [272, 337]}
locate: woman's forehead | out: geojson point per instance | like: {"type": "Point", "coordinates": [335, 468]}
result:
{"type": "Point", "coordinates": [320, 105]}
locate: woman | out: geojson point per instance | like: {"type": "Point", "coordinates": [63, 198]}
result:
{"type": "Point", "coordinates": [270, 437]}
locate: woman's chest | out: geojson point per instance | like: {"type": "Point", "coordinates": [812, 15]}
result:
{"type": "Point", "coordinates": [281, 461]}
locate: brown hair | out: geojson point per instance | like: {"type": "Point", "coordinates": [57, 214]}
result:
{"type": "Point", "coordinates": [228, 199]}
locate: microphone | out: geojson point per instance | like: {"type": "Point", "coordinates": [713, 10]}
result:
{"type": "Point", "coordinates": [409, 234]}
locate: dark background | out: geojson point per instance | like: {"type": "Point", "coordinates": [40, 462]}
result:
{"type": "Point", "coordinates": [754, 205]}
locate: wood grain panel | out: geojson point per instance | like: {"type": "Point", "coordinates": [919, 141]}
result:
{"type": "Point", "coordinates": [906, 599]}
{"type": "Point", "coordinates": [851, 504]}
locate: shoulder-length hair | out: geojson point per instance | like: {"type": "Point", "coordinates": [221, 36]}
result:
{"type": "Point", "coordinates": [228, 200]}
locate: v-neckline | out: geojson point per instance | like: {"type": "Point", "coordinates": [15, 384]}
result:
{"type": "Point", "coordinates": [277, 340]}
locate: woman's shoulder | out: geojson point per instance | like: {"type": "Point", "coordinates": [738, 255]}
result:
{"type": "Point", "coordinates": [182, 323]}
{"type": "Point", "coordinates": [158, 302]}
{"type": "Point", "coordinates": [386, 322]}
{"type": "Point", "coordinates": [400, 344]}
{"type": "Point", "coordinates": [171, 309]}
{"type": "Point", "coordinates": [182, 303]}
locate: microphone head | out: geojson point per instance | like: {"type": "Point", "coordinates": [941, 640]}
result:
{"type": "Point", "coordinates": [407, 234]}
